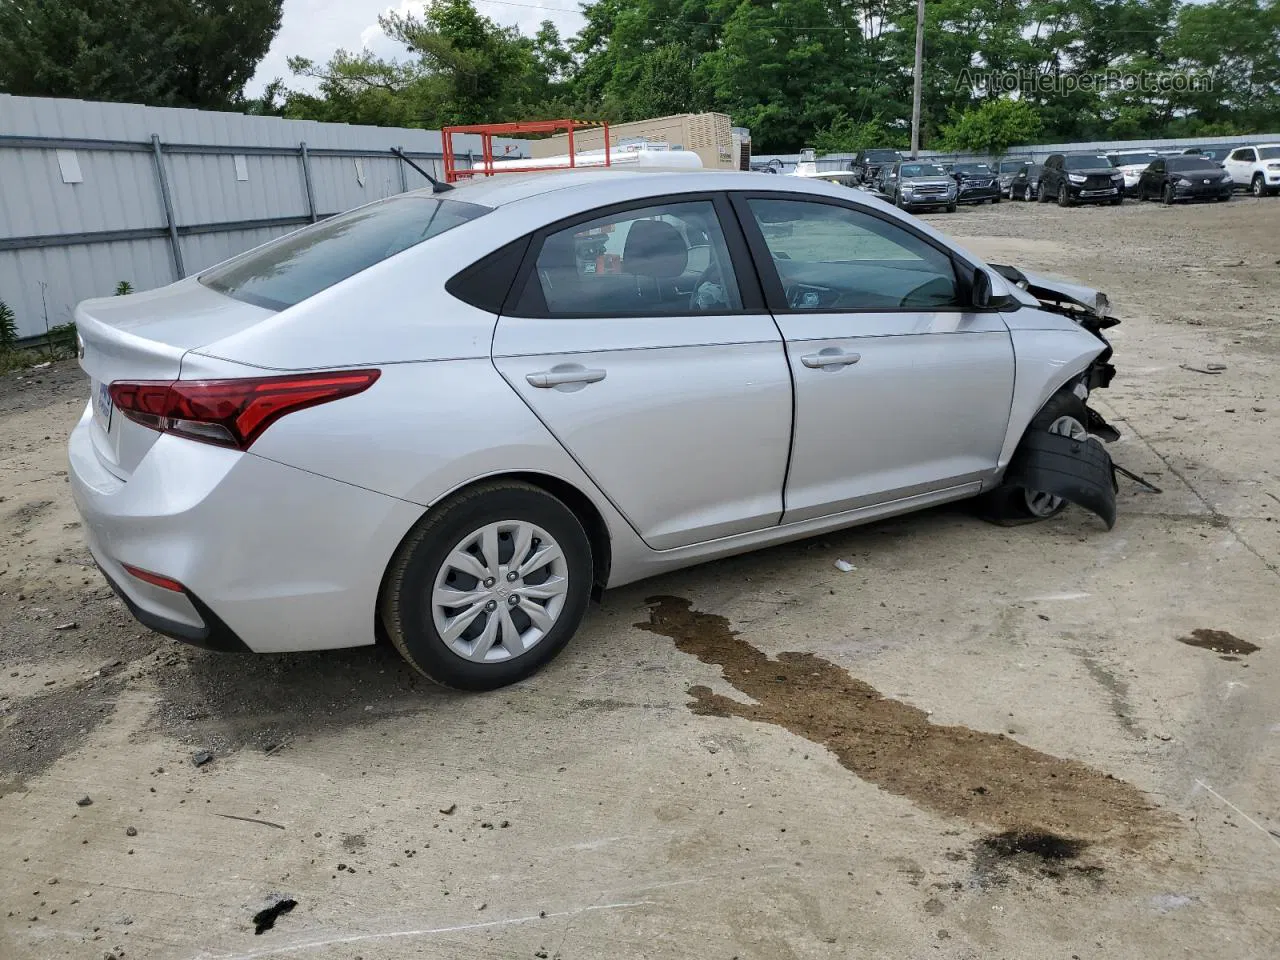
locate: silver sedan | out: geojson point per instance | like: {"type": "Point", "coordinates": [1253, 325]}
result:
{"type": "Point", "coordinates": [454, 416]}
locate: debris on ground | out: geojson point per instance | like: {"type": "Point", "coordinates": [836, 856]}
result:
{"type": "Point", "coordinates": [265, 919]}
{"type": "Point", "coordinates": [201, 757]}
{"type": "Point", "coordinates": [85, 801]}
{"type": "Point", "coordinates": [844, 566]}
{"type": "Point", "coordinates": [449, 810]}
{"type": "Point", "coordinates": [1209, 368]}
{"type": "Point", "coordinates": [131, 831]}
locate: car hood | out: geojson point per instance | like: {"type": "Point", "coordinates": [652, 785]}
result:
{"type": "Point", "coordinates": [1057, 290]}
{"type": "Point", "coordinates": [926, 181]}
{"type": "Point", "coordinates": [1094, 171]}
{"type": "Point", "coordinates": [974, 176]}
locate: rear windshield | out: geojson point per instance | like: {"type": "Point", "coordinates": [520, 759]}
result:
{"type": "Point", "coordinates": [1011, 166]}
{"type": "Point", "coordinates": [1087, 162]}
{"type": "Point", "coordinates": [300, 265]}
{"type": "Point", "coordinates": [1133, 159]}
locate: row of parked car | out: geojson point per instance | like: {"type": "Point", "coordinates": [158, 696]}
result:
{"type": "Point", "coordinates": [1198, 173]}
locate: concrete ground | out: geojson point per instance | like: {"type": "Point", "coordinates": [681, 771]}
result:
{"type": "Point", "coordinates": [982, 742]}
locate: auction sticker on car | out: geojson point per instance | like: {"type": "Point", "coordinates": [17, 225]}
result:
{"type": "Point", "coordinates": [102, 405]}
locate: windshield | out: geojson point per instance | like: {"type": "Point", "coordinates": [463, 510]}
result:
{"type": "Point", "coordinates": [1011, 166]}
{"type": "Point", "coordinates": [921, 170]}
{"type": "Point", "coordinates": [972, 168]}
{"type": "Point", "coordinates": [301, 264]}
{"type": "Point", "coordinates": [1269, 153]}
{"type": "Point", "coordinates": [882, 155]}
{"type": "Point", "coordinates": [1194, 165]}
{"type": "Point", "coordinates": [1087, 162]}
{"type": "Point", "coordinates": [1134, 159]}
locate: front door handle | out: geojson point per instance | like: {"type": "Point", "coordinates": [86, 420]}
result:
{"type": "Point", "coordinates": [829, 359]}
{"type": "Point", "coordinates": [559, 376]}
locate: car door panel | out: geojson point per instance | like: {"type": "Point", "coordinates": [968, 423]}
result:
{"type": "Point", "coordinates": [889, 403]}
{"type": "Point", "coordinates": [682, 421]}
{"type": "Point", "coordinates": [924, 407]}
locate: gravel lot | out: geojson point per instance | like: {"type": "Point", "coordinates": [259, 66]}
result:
{"type": "Point", "coordinates": [982, 742]}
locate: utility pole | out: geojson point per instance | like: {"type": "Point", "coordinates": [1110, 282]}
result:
{"type": "Point", "coordinates": [919, 76]}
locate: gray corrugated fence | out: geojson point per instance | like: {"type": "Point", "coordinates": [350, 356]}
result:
{"type": "Point", "coordinates": [95, 193]}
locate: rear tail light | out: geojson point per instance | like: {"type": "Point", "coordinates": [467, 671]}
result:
{"type": "Point", "coordinates": [231, 413]}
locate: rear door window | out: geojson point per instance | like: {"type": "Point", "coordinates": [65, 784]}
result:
{"type": "Point", "coordinates": [669, 259]}
{"type": "Point", "coordinates": [297, 266]}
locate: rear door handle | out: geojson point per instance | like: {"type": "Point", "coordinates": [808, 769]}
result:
{"type": "Point", "coordinates": [829, 358]}
{"type": "Point", "coordinates": [560, 375]}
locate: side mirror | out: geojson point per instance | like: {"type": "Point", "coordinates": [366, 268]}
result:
{"type": "Point", "coordinates": [981, 289]}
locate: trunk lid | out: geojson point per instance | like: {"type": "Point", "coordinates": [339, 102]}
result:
{"type": "Point", "coordinates": [144, 336]}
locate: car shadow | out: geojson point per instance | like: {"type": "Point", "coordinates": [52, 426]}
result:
{"type": "Point", "coordinates": [225, 702]}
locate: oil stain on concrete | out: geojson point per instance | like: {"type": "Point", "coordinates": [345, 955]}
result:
{"type": "Point", "coordinates": [984, 778]}
{"type": "Point", "coordinates": [1219, 641]}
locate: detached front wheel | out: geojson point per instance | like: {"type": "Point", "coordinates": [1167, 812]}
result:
{"type": "Point", "coordinates": [489, 587]}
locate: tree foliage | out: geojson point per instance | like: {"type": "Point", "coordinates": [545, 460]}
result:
{"type": "Point", "coordinates": [991, 127]}
{"type": "Point", "coordinates": [173, 53]}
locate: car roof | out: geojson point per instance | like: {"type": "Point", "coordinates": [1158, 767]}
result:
{"type": "Point", "coordinates": [503, 190]}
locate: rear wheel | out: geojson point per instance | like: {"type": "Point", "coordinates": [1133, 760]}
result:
{"type": "Point", "coordinates": [1064, 415]}
{"type": "Point", "coordinates": [489, 587]}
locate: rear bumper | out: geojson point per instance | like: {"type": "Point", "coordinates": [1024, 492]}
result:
{"type": "Point", "coordinates": [271, 558]}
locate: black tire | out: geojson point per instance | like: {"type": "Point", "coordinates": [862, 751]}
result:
{"type": "Point", "coordinates": [1116, 201]}
{"type": "Point", "coordinates": [1166, 195]}
{"type": "Point", "coordinates": [951, 208]}
{"type": "Point", "coordinates": [1042, 193]}
{"type": "Point", "coordinates": [995, 199]}
{"type": "Point", "coordinates": [405, 603]}
{"type": "Point", "coordinates": [1064, 196]}
{"type": "Point", "coordinates": [1007, 503]}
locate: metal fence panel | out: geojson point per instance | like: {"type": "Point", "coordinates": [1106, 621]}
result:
{"type": "Point", "coordinates": [82, 204]}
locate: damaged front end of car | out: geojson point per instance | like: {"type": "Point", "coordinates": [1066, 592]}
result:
{"type": "Point", "coordinates": [1075, 467]}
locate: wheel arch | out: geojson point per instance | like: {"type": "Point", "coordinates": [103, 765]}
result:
{"type": "Point", "coordinates": [582, 506]}
{"type": "Point", "coordinates": [1045, 362]}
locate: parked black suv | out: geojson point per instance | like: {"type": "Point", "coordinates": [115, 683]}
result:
{"type": "Point", "coordinates": [976, 182]}
{"type": "Point", "coordinates": [867, 164]}
{"type": "Point", "coordinates": [1080, 178]}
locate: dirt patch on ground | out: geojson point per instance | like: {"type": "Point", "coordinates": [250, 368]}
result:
{"type": "Point", "coordinates": [984, 778]}
{"type": "Point", "coordinates": [1219, 641]}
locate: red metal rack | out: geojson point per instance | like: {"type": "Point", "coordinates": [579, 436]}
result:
{"type": "Point", "coordinates": [487, 131]}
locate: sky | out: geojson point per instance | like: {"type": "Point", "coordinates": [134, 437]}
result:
{"type": "Point", "coordinates": [316, 28]}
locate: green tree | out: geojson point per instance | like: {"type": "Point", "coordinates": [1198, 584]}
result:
{"type": "Point", "coordinates": [174, 53]}
{"type": "Point", "coordinates": [992, 127]}
{"type": "Point", "coordinates": [845, 135]}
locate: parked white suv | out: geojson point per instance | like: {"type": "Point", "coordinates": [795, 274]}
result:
{"type": "Point", "coordinates": [1256, 168]}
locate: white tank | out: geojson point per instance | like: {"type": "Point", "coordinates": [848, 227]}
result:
{"type": "Point", "coordinates": [648, 155]}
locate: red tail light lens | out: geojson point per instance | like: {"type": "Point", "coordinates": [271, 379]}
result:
{"type": "Point", "coordinates": [231, 413]}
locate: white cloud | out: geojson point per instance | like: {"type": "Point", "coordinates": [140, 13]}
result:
{"type": "Point", "coordinates": [317, 28]}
